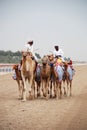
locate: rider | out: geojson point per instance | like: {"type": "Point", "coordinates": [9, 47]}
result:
{"type": "Point", "coordinates": [58, 53]}
{"type": "Point", "coordinates": [29, 48]}
{"type": "Point", "coordinates": [71, 66]}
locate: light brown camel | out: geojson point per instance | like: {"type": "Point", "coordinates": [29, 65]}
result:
{"type": "Point", "coordinates": [56, 77]}
{"type": "Point", "coordinates": [19, 80]}
{"type": "Point", "coordinates": [45, 76]}
{"type": "Point", "coordinates": [27, 73]}
{"type": "Point", "coordinates": [68, 78]}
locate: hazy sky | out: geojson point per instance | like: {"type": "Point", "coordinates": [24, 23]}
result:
{"type": "Point", "coordinates": [48, 23]}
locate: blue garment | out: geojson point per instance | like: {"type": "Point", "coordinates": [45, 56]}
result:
{"type": "Point", "coordinates": [51, 64]}
{"type": "Point", "coordinates": [70, 71]}
{"type": "Point", "coordinates": [38, 73]}
{"type": "Point", "coordinates": [60, 72]}
{"type": "Point", "coordinates": [14, 76]}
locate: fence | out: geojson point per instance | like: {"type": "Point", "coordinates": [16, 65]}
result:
{"type": "Point", "coordinates": [6, 68]}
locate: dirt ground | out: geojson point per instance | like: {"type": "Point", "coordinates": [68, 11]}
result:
{"type": "Point", "coordinates": [68, 113]}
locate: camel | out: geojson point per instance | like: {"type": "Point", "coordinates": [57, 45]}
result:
{"type": "Point", "coordinates": [56, 77]}
{"type": "Point", "coordinates": [37, 79]}
{"type": "Point", "coordinates": [68, 77]}
{"type": "Point", "coordinates": [19, 80]}
{"type": "Point", "coordinates": [45, 76]}
{"type": "Point", "coordinates": [27, 72]}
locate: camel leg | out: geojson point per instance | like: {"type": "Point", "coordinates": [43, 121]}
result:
{"type": "Point", "coordinates": [38, 93]}
{"type": "Point", "coordinates": [60, 91]}
{"type": "Point", "coordinates": [44, 89]}
{"type": "Point", "coordinates": [38, 89]}
{"type": "Point", "coordinates": [47, 86]}
{"type": "Point", "coordinates": [24, 92]}
{"type": "Point", "coordinates": [24, 88]}
{"type": "Point", "coordinates": [71, 88]}
{"type": "Point", "coordinates": [19, 88]}
{"type": "Point", "coordinates": [64, 88]}
{"type": "Point", "coordinates": [54, 88]}
{"type": "Point", "coordinates": [41, 89]}
{"type": "Point", "coordinates": [57, 91]}
{"type": "Point", "coordinates": [34, 89]}
{"type": "Point", "coordinates": [31, 89]}
{"type": "Point", "coordinates": [50, 89]}
{"type": "Point", "coordinates": [67, 87]}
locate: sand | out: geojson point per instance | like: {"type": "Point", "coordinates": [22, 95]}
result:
{"type": "Point", "coordinates": [68, 113]}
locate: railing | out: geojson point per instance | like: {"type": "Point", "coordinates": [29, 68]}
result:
{"type": "Point", "coordinates": [6, 68]}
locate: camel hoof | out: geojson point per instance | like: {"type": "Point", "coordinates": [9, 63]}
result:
{"type": "Point", "coordinates": [44, 95]}
{"type": "Point", "coordinates": [70, 95]}
{"type": "Point", "coordinates": [38, 95]}
{"type": "Point", "coordinates": [50, 96]}
{"type": "Point", "coordinates": [23, 100]}
{"type": "Point", "coordinates": [57, 98]}
{"type": "Point", "coordinates": [31, 97]}
{"type": "Point", "coordinates": [46, 98]}
{"type": "Point", "coordinates": [54, 96]}
{"type": "Point", "coordinates": [20, 98]}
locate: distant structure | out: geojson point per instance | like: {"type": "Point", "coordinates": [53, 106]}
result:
{"type": "Point", "coordinates": [6, 68]}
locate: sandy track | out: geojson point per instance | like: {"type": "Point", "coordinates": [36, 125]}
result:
{"type": "Point", "coordinates": [69, 113]}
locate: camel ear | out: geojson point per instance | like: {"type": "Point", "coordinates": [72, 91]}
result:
{"type": "Point", "coordinates": [17, 65]}
{"type": "Point", "coordinates": [48, 56]}
{"type": "Point", "coordinates": [24, 54]}
{"type": "Point", "coordinates": [13, 67]}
